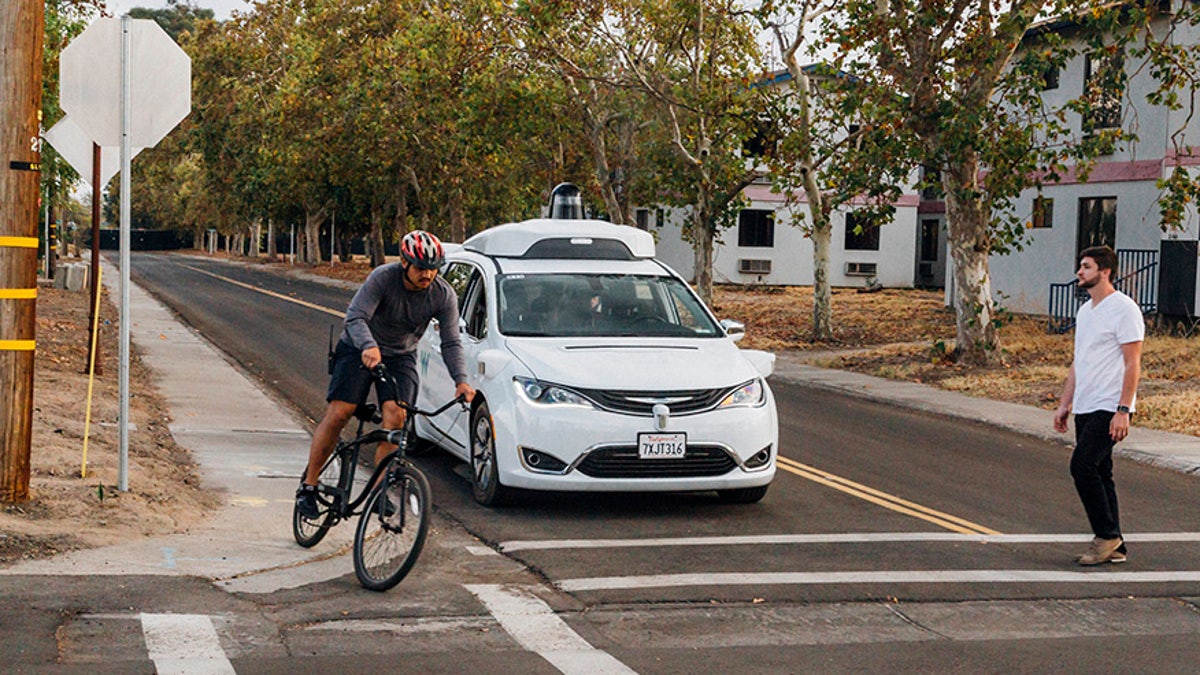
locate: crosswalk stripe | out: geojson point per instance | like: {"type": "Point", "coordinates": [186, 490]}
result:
{"type": "Point", "coordinates": [184, 644]}
{"type": "Point", "coordinates": [536, 627]}
{"type": "Point", "coordinates": [882, 577]}
{"type": "Point", "coordinates": [837, 538]}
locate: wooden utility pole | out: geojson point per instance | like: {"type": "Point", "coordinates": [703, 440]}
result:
{"type": "Point", "coordinates": [21, 33]}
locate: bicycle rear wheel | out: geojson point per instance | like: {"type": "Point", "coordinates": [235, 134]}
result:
{"type": "Point", "coordinates": [310, 531]}
{"type": "Point", "coordinates": [392, 528]}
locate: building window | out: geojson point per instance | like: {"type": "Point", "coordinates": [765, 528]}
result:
{"type": "Point", "coordinates": [1104, 84]}
{"type": "Point", "coordinates": [930, 229]}
{"type": "Point", "coordinates": [1043, 213]}
{"type": "Point", "coordinates": [756, 228]}
{"type": "Point", "coordinates": [660, 218]}
{"type": "Point", "coordinates": [642, 218]}
{"type": "Point", "coordinates": [1050, 78]}
{"type": "Point", "coordinates": [861, 234]}
{"type": "Point", "coordinates": [1097, 222]}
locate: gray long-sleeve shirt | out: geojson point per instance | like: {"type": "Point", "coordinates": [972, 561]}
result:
{"type": "Point", "coordinates": [385, 314]}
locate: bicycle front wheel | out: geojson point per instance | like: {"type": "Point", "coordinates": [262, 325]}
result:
{"type": "Point", "coordinates": [392, 528]}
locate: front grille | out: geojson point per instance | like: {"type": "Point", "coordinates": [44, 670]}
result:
{"type": "Point", "coordinates": [623, 462]}
{"type": "Point", "coordinates": [642, 402]}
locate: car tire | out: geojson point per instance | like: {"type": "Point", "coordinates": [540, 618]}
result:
{"type": "Point", "coordinates": [743, 495]}
{"type": "Point", "coordinates": [485, 472]}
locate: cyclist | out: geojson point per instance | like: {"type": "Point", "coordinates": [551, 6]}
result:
{"type": "Point", "coordinates": [386, 318]}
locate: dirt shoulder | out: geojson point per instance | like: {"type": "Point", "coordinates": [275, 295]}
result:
{"type": "Point", "coordinates": [74, 504]}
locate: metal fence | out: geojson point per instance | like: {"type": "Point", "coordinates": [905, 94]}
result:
{"type": "Point", "coordinates": [1138, 280]}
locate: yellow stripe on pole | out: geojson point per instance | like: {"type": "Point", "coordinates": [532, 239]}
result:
{"type": "Point", "coordinates": [18, 293]}
{"type": "Point", "coordinates": [16, 345]}
{"type": "Point", "coordinates": [20, 242]}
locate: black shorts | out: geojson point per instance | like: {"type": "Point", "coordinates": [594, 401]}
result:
{"type": "Point", "coordinates": [351, 381]}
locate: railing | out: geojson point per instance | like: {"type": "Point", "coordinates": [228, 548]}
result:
{"type": "Point", "coordinates": [1141, 285]}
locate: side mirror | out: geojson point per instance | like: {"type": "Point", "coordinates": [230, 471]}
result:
{"type": "Point", "coordinates": [736, 330]}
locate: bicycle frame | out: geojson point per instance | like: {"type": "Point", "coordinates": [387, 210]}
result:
{"type": "Point", "coordinates": [342, 505]}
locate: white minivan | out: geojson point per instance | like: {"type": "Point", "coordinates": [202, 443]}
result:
{"type": "Point", "coordinates": [597, 369]}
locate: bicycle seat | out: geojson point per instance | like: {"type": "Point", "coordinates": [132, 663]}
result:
{"type": "Point", "coordinates": [368, 412]}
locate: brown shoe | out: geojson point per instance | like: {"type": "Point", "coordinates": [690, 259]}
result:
{"type": "Point", "coordinates": [1102, 551]}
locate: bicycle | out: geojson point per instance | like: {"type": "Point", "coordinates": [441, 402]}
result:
{"type": "Point", "coordinates": [394, 514]}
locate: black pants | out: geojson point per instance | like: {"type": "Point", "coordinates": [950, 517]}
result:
{"type": "Point", "coordinates": [1092, 469]}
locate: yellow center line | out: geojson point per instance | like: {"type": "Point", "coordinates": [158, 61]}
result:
{"type": "Point", "coordinates": [883, 499]}
{"type": "Point", "coordinates": [264, 291]}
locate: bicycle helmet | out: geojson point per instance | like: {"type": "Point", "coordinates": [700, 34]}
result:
{"type": "Point", "coordinates": [422, 249]}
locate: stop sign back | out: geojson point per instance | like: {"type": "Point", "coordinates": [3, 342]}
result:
{"type": "Point", "coordinates": [160, 75]}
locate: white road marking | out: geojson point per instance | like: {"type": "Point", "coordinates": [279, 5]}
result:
{"type": "Point", "coordinates": [849, 538]}
{"type": "Point", "coordinates": [536, 627]}
{"type": "Point", "coordinates": [895, 577]}
{"type": "Point", "coordinates": [185, 644]}
{"type": "Point", "coordinates": [481, 551]}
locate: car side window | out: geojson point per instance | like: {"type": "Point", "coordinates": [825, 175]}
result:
{"type": "Point", "coordinates": [475, 309]}
{"type": "Point", "coordinates": [458, 275]}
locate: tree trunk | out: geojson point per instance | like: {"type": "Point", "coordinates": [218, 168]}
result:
{"type": "Point", "coordinates": [822, 312]}
{"type": "Point", "coordinates": [702, 245]}
{"type": "Point", "coordinates": [400, 221]}
{"type": "Point", "coordinates": [458, 219]}
{"type": "Point", "coordinates": [967, 221]}
{"type": "Point", "coordinates": [272, 248]}
{"type": "Point", "coordinates": [375, 238]}
{"type": "Point", "coordinates": [313, 218]}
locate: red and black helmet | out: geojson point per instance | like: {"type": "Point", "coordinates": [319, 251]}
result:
{"type": "Point", "coordinates": [422, 249]}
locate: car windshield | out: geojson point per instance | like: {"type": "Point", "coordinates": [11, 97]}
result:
{"type": "Point", "coordinates": [600, 305]}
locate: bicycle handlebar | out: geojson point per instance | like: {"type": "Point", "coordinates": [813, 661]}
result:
{"type": "Point", "coordinates": [380, 372]}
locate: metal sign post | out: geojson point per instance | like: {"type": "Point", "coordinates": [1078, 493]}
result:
{"type": "Point", "coordinates": [150, 96]}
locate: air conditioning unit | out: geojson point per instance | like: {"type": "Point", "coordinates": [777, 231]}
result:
{"type": "Point", "coordinates": [751, 266]}
{"type": "Point", "coordinates": [860, 269]}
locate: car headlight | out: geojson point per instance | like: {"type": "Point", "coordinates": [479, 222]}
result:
{"type": "Point", "coordinates": [548, 394]}
{"type": "Point", "coordinates": [746, 396]}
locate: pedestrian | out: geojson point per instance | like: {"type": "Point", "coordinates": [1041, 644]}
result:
{"type": "Point", "coordinates": [1101, 389]}
{"type": "Point", "coordinates": [386, 318]}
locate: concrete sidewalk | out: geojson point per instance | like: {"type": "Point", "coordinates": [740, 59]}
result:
{"type": "Point", "coordinates": [1177, 452]}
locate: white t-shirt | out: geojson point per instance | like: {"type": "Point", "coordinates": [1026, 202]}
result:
{"type": "Point", "coordinates": [1100, 330]}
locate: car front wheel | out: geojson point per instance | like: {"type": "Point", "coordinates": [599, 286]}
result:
{"type": "Point", "coordinates": [485, 473]}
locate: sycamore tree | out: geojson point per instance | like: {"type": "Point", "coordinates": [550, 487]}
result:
{"type": "Point", "coordinates": [815, 138]}
{"type": "Point", "coordinates": [697, 67]}
{"type": "Point", "coordinates": [613, 117]}
{"type": "Point", "coordinates": [939, 78]}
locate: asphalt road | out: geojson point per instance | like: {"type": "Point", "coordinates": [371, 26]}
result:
{"type": "Point", "coordinates": [872, 503]}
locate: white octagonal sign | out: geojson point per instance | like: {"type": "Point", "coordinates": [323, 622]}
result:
{"type": "Point", "coordinates": [160, 75]}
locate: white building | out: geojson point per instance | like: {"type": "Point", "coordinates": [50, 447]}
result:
{"type": "Point", "coordinates": [1117, 206]}
{"type": "Point", "coordinates": [766, 247]}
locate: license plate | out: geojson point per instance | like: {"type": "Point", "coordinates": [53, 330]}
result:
{"type": "Point", "coordinates": [662, 446]}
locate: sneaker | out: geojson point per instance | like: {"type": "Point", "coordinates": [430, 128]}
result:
{"type": "Point", "coordinates": [306, 502]}
{"type": "Point", "coordinates": [1102, 551]}
{"type": "Point", "coordinates": [1120, 555]}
